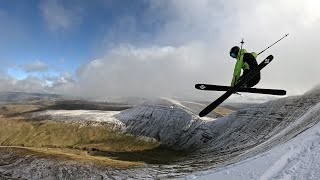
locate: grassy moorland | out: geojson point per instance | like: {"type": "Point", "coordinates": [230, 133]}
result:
{"type": "Point", "coordinates": [84, 142]}
{"type": "Point", "coordinates": [60, 140]}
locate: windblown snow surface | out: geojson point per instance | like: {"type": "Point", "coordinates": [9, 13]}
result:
{"type": "Point", "coordinates": [298, 158]}
{"type": "Point", "coordinates": [279, 139]}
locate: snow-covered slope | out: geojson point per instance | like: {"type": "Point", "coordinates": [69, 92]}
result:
{"type": "Point", "coordinates": [219, 142]}
{"type": "Point", "coordinates": [298, 158]}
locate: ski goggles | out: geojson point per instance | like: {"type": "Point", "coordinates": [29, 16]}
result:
{"type": "Point", "coordinates": [233, 55]}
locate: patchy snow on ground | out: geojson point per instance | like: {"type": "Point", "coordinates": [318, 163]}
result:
{"type": "Point", "coordinates": [81, 116]}
{"type": "Point", "coordinates": [298, 158]}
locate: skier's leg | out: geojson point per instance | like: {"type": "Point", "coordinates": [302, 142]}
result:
{"type": "Point", "coordinates": [254, 81]}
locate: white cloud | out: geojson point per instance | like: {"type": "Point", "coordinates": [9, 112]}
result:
{"type": "Point", "coordinates": [6, 82]}
{"type": "Point", "coordinates": [58, 16]}
{"type": "Point", "coordinates": [131, 71]}
{"type": "Point", "coordinates": [192, 44]}
{"type": "Point", "coordinates": [58, 84]}
{"type": "Point", "coordinates": [36, 66]}
{"type": "Point", "coordinates": [157, 71]}
{"type": "Point", "coordinates": [29, 84]}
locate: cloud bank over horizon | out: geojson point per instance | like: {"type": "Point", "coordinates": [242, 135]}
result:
{"type": "Point", "coordinates": [187, 42]}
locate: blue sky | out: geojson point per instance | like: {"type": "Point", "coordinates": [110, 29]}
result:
{"type": "Point", "coordinates": [152, 48]}
{"type": "Point", "coordinates": [32, 33]}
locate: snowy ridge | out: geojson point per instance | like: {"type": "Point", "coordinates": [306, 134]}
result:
{"type": "Point", "coordinates": [191, 110]}
{"type": "Point", "coordinates": [159, 120]}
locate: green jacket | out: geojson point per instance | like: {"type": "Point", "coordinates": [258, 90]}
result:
{"type": "Point", "coordinates": [240, 65]}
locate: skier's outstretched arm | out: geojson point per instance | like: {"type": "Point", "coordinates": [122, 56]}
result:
{"type": "Point", "coordinates": [236, 72]}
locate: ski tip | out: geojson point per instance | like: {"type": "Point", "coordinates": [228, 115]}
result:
{"type": "Point", "coordinates": [270, 57]}
{"type": "Point", "coordinates": [202, 114]}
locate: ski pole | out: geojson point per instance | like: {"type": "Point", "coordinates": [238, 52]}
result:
{"type": "Point", "coordinates": [273, 44]}
{"type": "Point", "coordinates": [241, 43]}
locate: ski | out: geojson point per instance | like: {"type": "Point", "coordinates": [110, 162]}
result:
{"type": "Point", "coordinates": [238, 85]}
{"type": "Point", "coordinates": [210, 87]}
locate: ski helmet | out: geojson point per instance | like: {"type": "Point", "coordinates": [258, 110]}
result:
{"type": "Point", "coordinates": [234, 51]}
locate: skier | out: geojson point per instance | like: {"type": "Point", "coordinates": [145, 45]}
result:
{"type": "Point", "coordinates": [247, 62]}
{"type": "Point", "coordinates": [250, 77]}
